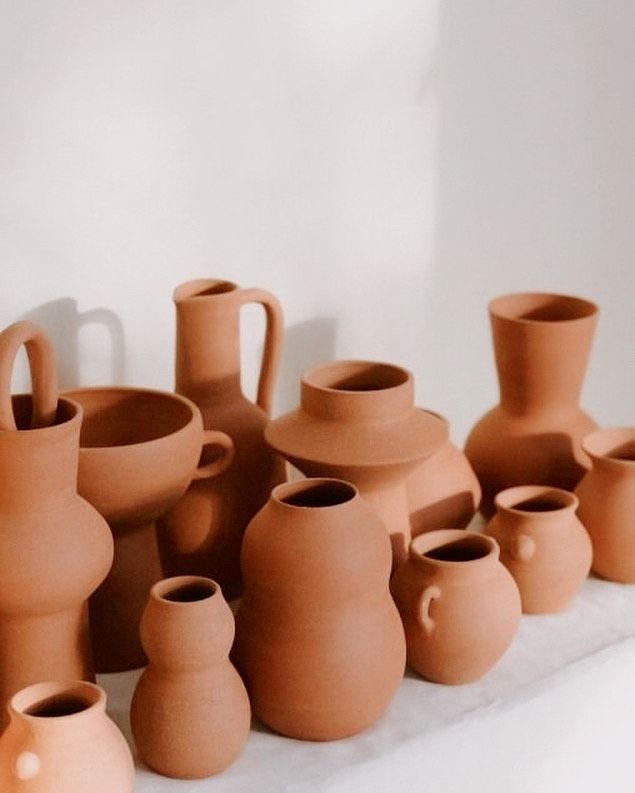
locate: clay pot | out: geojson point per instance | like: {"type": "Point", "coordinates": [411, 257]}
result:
{"type": "Point", "coordinates": [460, 607]}
{"type": "Point", "coordinates": [443, 492]}
{"type": "Point", "coordinates": [318, 637]}
{"type": "Point", "coordinates": [607, 502]}
{"type": "Point", "coordinates": [203, 532]}
{"type": "Point", "coordinates": [190, 712]}
{"type": "Point", "coordinates": [543, 545]}
{"type": "Point", "coordinates": [55, 549]}
{"type": "Point", "coordinates": [139, 452]}
{"type": "Point", "coordinates": [60, 739]}
{"type": "Point", "coordinates": [541, 344]}
{"type": "Point", "coordinates": [357, 421]}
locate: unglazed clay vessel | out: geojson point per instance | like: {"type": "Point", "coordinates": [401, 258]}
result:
{"type": "Point", "coordinates": [541, 345]}
{"type": "Point", "coordinates": [357, 421]}
{"type": "Point", "coordinates": [459, 605]}
{"type": "Point", "coordinates": [607, 502]}
{"type": "Point", "coordinates": [318, 638]}
{"type": "Point", "coordinates": [55, 549]}
{"type": "Point", "coordinates": [60, 740]}
{"type": "Point", "coordinates": [543, 545]}
{"type": "Point", "coordinates": [190, 712]}
{"type": "Point", "coordinates": [443, 492]}
{"type": "Point", "coordinates": [139, 452]}
{"type": "Point", "coordinates": [203, 532]}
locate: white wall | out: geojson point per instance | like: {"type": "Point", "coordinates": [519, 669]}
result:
{"type": "Point", "coordinates": [383, 167]}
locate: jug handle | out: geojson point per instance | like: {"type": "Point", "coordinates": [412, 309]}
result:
{"type": "Point", "coordinates": [522, 547]}
{"type": "Point", "coordinates": [273, 343]}
{"type": "Point", "coordinates": [216, 467]}
{"type": "Point", "coordinates": [429, 594]}
{"type": "Point", "coordinates": [43, 373]}
{"type": "Point", "coordinates": [27, 766]}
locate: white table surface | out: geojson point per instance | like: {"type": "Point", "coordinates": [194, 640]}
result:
{"type": "Point", "coordinates": [556, 714]}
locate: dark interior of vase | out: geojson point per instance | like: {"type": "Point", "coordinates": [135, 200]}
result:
{"type": "Point", "coordinates": [540, 504]}
{"type": "Point", "coordinates": [22, 409]}
{"type": "Point", "coordinates": [319, 494]}
{"type": "Point", "coordinates": [463, 550]}
{"type": "Point", "coordinates": [542, 307]}
{"type": "Point", "coordinates": [625, 451]}
{"type": "Point", "coordinates": [189, 592]}
{"type": "Point", "coordinates": [58, 705]}
{"type": "Point", "coordinates": [359, 377]}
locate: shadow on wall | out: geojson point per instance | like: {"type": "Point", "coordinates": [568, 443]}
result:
{"type": "Point", "coordinates": [63, 323]}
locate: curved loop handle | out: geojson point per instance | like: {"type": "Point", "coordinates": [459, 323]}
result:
{"type": "Point", "coordinates": [273, 343]}
{"type": "Point", "coordinates": [522, 547]}
{"type": "Point", "coordinates": [43, 373]}
{"type": "Point", "coordinates": [429, 594]}
{"type": "Point", "coordinates": [27, 766]}
{"type": "Point", "coordinates": [216, 467]}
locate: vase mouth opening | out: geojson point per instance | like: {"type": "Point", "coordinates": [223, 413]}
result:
{"type": "Point", "coordinates": [356, 376]}
{"type": "Point", "coordinates": [616, 444]}
{"type": "Point", "coordinates": [535, 500]}
{"type": "Point", "coordinates": [57, 700]}
{"type": "Point", "coordinates": [203, 287]}
{"type": "Point", "coordinates": [541, 307]}
{"type": "Point", "coordinates": [314, 493]}
{"type": "Point", "coordinates": [453, 547]}
{"type": "Point", "coordinates": [67, 410]}
{"type": "Point", "coordinates": [185, 589]}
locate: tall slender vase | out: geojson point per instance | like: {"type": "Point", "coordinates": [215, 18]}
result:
{"type": "Point", "coordinates": [202, 534]}
{"type": "Point", "coordinates": [541, 344]}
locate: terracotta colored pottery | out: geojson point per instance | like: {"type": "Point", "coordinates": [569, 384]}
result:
{"type": "Point", "coordinates": [541, 344]}
{"type": "Point", "coordinates": [190, 712]}
{"type": "Point", "coordinates": [139, 452]}
{"type": "Point", "coordinates": [60, 740]}
{"type": "Point", "coordinates": [543, 545]}
{"type": "Point", "coordinates": [607, 502]}
{"type": "Point", "coordinates": [443, 492]}
{"type": "Point", "coordinates": [357, 421]}
{"type": "Point", "coordinates": [203, 533]}
{"type": "Point", "coordinates": [459, 605]}
{"type": "Point", "coordinates": [55, 549]}
{"type": "Point", "coordinates": [319, 641]}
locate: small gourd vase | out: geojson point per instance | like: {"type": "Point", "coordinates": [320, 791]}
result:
{"type": "Point", "coordinates": [60, 740]}
{"type": "Point", "coordinates": [459, 605]}
{"type": "Point", "coordinates": [541, 344]}
{"type": "Point", "coordinates": [190, 712]}
{"type": "Point", "coordinates": [607, 502]}
{"type": "Point", "coordinates": [357, 421]}
{"type": "Point", "coordinates": [55, 548]}
{"type": "Point", "coordinates": [543, 545]}
{"type": "Point", "coordinates": [318, 638]}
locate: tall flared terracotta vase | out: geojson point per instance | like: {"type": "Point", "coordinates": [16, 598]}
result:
{"type": "Point", "coordinates": [140, 449]}
{"type": "Point", "coordinates": [55, 548]}
{"type": "Point", "coordinates": [607, 502]}
{"type": "Point", "coordinates": [357, 421]}
{"type": "Point", "coordinates": [190, 712]}
{"type": "Point", "coordinates": [60, 740]}
{"type": "Point", "coordinates": [203, 532]}
{"type": "Point", "coordinates": [542, 344]}
{"type": "Point", "coordinates": [318, 638]}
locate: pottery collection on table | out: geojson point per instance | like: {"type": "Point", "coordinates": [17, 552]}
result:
{"type": "Point", "coordinates": [130, 516]}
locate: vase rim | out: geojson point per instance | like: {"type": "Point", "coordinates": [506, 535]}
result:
{"type": "Point", "coordinates": [388, 376]}
{"type": "Point", "coordinates": [542, 308]}
{"type": "Point", "coordinates": [71, 412]}
{"type": "Point", "coordinates": [185, 590]}
{"type": "Point", "coordinates": [611, 444]}
{"type": "Point", "coordinates": [454, 549]}
{"type": "Point", "coordinates": [314, 493]}
{"type": "Point", "coordinates": [74, 699]}
{"type": "Point", "coordinates": [202, 288]}
{"type": "Point", "coordinates": [536, 501]}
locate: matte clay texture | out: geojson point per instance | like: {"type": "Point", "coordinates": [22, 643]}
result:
{"type": "Point", "coordinates": [55, 549]}
{"type": "Point", "coordinates": [541, 344]}
{"type": "Point", "coordinates": [319, 640]}
{"type": "Point", "coordinates": [543, 545]}
{"type": "Point", "coordinates": [190, 712]}
{"type": "Point", "coordinates": [139, 452]}
{"type": "Point", "coordinates": [459, 605]}
{"type": "Point", "coordinates": [202, 533]}
{"type": "Point", "coordinates": [607, 502]}
{"type": "Point", "coordinates": [60, 740]}
{"type": "Point", "coordinates": [357, 421]}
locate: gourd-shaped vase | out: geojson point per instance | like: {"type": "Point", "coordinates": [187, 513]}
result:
{"type": "Point", "coordinates": [190, 711]}
{"type": "Point", "coordinates": [55, 548]}
{"type": "Point", "coordinates": [318, 638]}
{"type": "Point", "coordinates": [60, 740]}
{"type": "Point", "coordinates": [607, 502]}
{"type": "Point", "coordinates": [541, 344]}
{"type": "Point", "coordinates": [203, 532]}
{"type": "Point", "coordinates": [357, 421]}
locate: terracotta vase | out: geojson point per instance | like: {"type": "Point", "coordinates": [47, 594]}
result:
{"type": "Point", "coordinates": [443, 492]}
{"type": "Point", "coordinates": [543, 545]}
{"type": "Point", "coordinates": [55, 549]}
{"type": "Point", "coordinates": [190, 711]}
{"type": "Point", "coordinates": [541, 344]}
{"type": "Point", "coordinates": [60, 740]}
{"type": "Point", "coordinates": [607, 502]}
{"type": "Point", "coordinates": [139, 452]}
{"type": "Point", "coordinates": [318, 637]}
{"type": "Point", "coordinates": [203, 532]}
{"type": "Point", "coordinates": [459, 605]}
{"type": "Point", "coordinates": [357, 421]}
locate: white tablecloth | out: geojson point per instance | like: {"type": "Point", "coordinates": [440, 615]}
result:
{"type": "Point", "coordinates": [556, 714]}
